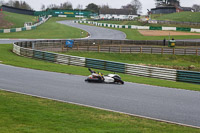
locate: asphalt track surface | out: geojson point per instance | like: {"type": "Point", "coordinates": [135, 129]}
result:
{"type": "Point", "coordinates": [97, 32]}
{"type": "Point", "coordinates": [174, 105]}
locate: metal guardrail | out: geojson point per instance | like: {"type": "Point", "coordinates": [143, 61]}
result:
{"type": "Point", "coordinates": [139, 27]}
{"type": "Point", "coordinates": [153, 72]}
{"type": "Point", "coordinates": [188, 76]}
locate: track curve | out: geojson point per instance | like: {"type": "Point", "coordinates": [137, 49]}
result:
{"type": "Point", "coordinates": [97, 32]}
{"type": "Point", "coordinates": [175, 105]}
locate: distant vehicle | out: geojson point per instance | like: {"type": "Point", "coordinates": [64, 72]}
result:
{"type": "Point", "coordinates": [97, 77]}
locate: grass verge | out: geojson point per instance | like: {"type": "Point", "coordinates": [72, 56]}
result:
{"type": "Point", "coordinates": [133, 34]}
{"type": "Point", "coordinates": [9, 58]}
{"type": "Point", "coordinates": [18, 20]}
{"type": "Point", "coordinates": [49, 30]}
{"type": "Point", "coordinates": [183, 62]}
{"type": "Point", "coordinates": [21, 113]}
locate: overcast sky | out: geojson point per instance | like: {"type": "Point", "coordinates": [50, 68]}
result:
{"type": "Point", "coordinates": [146, 4]}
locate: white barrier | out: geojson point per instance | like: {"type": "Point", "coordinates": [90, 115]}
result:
{"type": "Point", "coordinates": [153, 72]}
{"type": "Point", "coordinates": [70, 60]}
{"type": "Point", "coordinates": [195, 30]}
{"type": "Point", "coordinates": [169, 28]}
{"type": "Point", "coordinates": [143, 27]}
{"type": "Point", "coordinates": [16, 49]}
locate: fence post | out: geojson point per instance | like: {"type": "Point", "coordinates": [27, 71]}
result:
{"type": "Point", "coordinates": [162, 51]}
{"type": "Point", "coordinates": [109, 49]}
{"type": "Point", "coordinates": [185, 51]}
{"type": "Point", "coordinates": [173, 51]}
{"type": "Point", "coordinates": [62, 47]}
{"type": "Point", "coordinates": [151, 50]}
{"type": "Point", "coordinates": [130, 50]}
{"type": "Point", "coordinates": [140, 49]}
{"type": "Point", "coordinates": [98, 48]}
{"type": "Point", "coordinates": [77, 47]}
{"type": "Point", "coordinates": [196, 52]}
{"type": "Point", "coordinates": [120, 49]}
{"type": "Point", "coordinates": [87, 48]}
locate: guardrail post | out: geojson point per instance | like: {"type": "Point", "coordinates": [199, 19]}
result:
{"type": "Point", "coordinates": [33, 45]}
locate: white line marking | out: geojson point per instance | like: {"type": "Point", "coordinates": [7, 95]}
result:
{"type": "Point", "coordinates": [170, 122]}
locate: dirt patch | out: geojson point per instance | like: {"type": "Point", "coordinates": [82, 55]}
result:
{"type": "Point", "coordinates": [164, 33]}
{"type": "Point", "coordinates": [3, 23]}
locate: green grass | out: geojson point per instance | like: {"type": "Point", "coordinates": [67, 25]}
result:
{"type": "Point", "coordinates": [22, 114]}
{"type": "Point", "coordinates": [169, 61]}
{"type": "Point", "coordinates": [182, 17]}
{"type": "Point", "coordinates": [9, 58]}
{"type": "Point", "coordinates": [48, 30]}
{"type": "Point", "coordinates": [133, 34]}
{"type": "Point", "coordinates": [18, 19]}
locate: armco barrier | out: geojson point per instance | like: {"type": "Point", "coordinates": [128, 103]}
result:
{"type": "Point", "coordinates": [188, 76]}
{"type": "Point", "coordinates": [142, 27]}
{"type": "Point", "coordinates": [183, 29]}
{"type": "Point", "coordinates": [153, 72]}
{"type": "Point", "coordinates": [155, 28]}
{"type": "Point", "coordinates": [105, 65]}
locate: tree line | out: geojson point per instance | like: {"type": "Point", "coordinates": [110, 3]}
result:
{"type": "Point", "coordinates": [16, 4]}
{"type": "Point", "coordinates": [134, 5]}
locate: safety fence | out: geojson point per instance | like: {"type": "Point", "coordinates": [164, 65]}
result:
{"type": "Point", "coordinates": [140, 70]}
{"type": "Point", "coordinates": [59, 46]}
{"type": "Point", "coordinates": [24, 28]}
{"type": "Point", "coordinates": [173, 22]}
{"type": "Point", "coordinates": [140, 27]}
{"type": "Point", "coordinates": [135, 49]}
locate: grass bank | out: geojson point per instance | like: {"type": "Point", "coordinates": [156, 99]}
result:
{"type": "Point", "coordinates": [181, 17]}
{"type": "Point", "coordinates": [21, 114]}
{"type": "Point", "coordinates": [182, 62]}
{"type": "Point", "coordinates": [133, 34]}
{"type": "Point", "coordinates": [17, 20]}
{"type": "Point", "coordinates": [9, 58]}
{"type": "Point", "coordinates": [48, 30]}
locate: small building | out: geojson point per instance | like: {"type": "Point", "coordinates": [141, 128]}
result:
{"type": "Point", "coordinates": [163, 10]}
{"type": "Point", "coordinates": [170, 9]}
{"type": "Point", "coordinates": [119, 14]}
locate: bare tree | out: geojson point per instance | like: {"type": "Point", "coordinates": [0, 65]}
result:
{"type": "Point", "coordinates": [1, 2]}
{"type": "Point", "coordinates": [167, 2]}
{"type": "Point", "coordinates": [135, 6]}
{"type": "Point", "coordinates": [66, 5]}
{"type": "Point", "coordinates": [79, 7]}
{"type": "Point", "coordinates": [43, 8]}
{"type": "Point", "coordinates": [196, 7]}
{"type": "Point", "coordinates": [104, 7]}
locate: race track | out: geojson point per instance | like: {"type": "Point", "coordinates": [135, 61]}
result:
{"type": "Point", "coordinates": [175, 105]}
{"type": "Point", "coordinates": [97, 32]}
